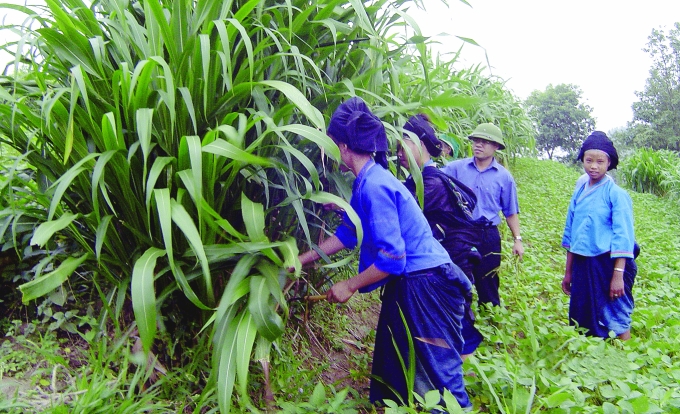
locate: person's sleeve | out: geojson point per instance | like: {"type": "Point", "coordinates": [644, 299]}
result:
{"type": "Point", "coordinates": [347, 233]}
{"type": "Point", "coordinates": [566, 236]}
{"type": "Point", "coordinates": [380, 203]}
{"type": "Point", "coordinates": [623, 237]}
{"type": "Point", "coordinates": [509, 199]}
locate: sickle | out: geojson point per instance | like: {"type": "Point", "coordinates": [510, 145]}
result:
{"type": "Point", "coordinates": [308, 298]}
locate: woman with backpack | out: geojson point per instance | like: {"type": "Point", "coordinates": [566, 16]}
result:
{"type": "Point", "coordinates": [448, 205]}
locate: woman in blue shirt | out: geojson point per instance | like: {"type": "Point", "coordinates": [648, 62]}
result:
{"type": "Point", "coordinates": [599, 238]}
{"type": "Point", "coordinates": [398, 252]}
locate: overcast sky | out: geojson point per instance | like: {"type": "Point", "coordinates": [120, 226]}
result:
{"type": "Point", "coordinates": [594, 44]}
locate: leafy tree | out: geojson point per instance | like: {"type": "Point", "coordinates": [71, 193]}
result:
{"type": "Point", "coordinates": [657, 114]}
{"type": "Point", "coordinates": [561, 120]}
{"type": "Point", "coordinates": [633, 136]}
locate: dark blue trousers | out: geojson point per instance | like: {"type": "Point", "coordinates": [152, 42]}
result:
{"type": "Point", "coordinates": [486, 272]}
{"type": "Point", "coordinates": [432, 303]}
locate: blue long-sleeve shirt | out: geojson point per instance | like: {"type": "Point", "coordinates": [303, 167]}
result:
{"type": "Point", "coordinates": [397, 237]}
{"type": "Point", "coordinates": [600, 220]}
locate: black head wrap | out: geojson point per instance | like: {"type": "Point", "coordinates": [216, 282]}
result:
{"type": "Point", "coordinates": [598, 140]}
{"type": "Point", "coordinates": [420, 126]}
{"type": "Point", "coordinates": [354, 124]}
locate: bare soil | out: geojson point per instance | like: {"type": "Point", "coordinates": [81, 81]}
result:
{"type": "Point", "coordinates": [343, 336]}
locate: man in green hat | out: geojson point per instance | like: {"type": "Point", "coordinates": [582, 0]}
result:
{"type": "Point", "coordinates": [496, 192]}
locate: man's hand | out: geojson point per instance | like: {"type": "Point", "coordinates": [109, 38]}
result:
{"type": "Point", "coordinates": [518, 249]}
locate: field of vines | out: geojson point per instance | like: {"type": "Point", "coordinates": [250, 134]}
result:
{"type": "Point", "coordinates": [533, 361]}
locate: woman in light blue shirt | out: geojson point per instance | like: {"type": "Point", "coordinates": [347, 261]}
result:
{"type": "Point", "coordinates": [599, 238]}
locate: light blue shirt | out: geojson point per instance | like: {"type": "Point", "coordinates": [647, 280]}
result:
{"type": "Point", "coordinates": [397, 237]}
{"type": "Point", "coordinates": [599, 220]}
{"type": "Point", "coordinates": [494, 187]}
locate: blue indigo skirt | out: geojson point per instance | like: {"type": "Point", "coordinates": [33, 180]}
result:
{"type": "Point", "coordinates": [432, 302]}
{"type": "Point", "coordinates": [590, 306]}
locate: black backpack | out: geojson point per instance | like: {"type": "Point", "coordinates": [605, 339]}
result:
{"type": "Point", "coordinates": [464, 197]}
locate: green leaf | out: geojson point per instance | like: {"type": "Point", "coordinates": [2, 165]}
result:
{"type": "Point", "coordinates": [269, 323]}
{"type": "Point", "coordinates": [225, 149]}
{"type": "Point", "coordinates": [246, 338]}
{"type": "Point", "coordinates": [452, 404]}
{"type": "Point", "coordinates": [319, 137]}
{"type": "Point", "coordinates": [449, 99]}
{"type": "Point", "coordinates": [47, 229]}
{"type": "Point", "coordinates": [164, 208]}
{"type": "Point", "coordinates": [184, 221]}
{"type": "Point", "coordinates": [226, 350]}
{"type": "Point", "coordinates": [253, 219]}
{"type": "Point", "coordinates": [47, 283]}
{"type": "Point", "coordinates": [100, 235]}
{"type": "Point", "coordinates": [609, 408]}
{"type": "Point", "coordinates": [555, 400]}
{"type": "Point", "coordinates": [326, 198]}
{"type": "Point", "coordinates": [299, 100]}
{"type": "Point", "coordinates": [144, 295]}
{"type": "Point", "coordinates": [432, 398]}
{"type": "Point", "coordinates": [157, 168]}
{"type": "Point", "coordinates": [318, 397]}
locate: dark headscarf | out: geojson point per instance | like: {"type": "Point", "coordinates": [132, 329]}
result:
{"type": "Point", "coordinates": [598, 140]}
{"type": "Point", "coordinates": [420, 126]}
{"type": "Point", "coordinates": [354, 124]}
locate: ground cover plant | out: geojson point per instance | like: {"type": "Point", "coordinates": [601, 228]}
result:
{"type": "Point", "coordinates": [532, 361]}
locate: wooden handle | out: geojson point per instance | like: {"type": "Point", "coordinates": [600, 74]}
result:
{"type": "Point", "coordinates": [315, 298]}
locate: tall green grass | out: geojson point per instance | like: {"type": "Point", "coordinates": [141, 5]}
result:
{"type": "Point", "coordinates": [651, 171]}
{"type": "Point", "coordinates": [175, 153]}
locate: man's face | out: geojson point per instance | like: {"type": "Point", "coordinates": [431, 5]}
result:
{"type": "Point", "coordinates": [483, 149]}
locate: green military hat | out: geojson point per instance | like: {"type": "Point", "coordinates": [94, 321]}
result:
{"type": "Point", "coordinates": [489, 132]}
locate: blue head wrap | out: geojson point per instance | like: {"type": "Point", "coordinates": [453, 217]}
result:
{"type": "Point", "coordinates": [598, 140]}
{"type": "Point", "coordinates": [420, 126]}
{"type": "Point", "coordinates": [354, 124]}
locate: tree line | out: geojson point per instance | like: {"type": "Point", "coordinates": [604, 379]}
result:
{"type": "Point", "coordinates": [562, 120]}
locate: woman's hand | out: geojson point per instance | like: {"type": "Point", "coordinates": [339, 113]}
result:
{"type": "Point", "coordinates": [566, 284]}
{"type": "Point", "coordinates": [616, 287]}
{"type": "Point", "coordinates": [340, 292]}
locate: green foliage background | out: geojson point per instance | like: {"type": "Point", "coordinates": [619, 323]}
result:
{"type": "Point", "coordinates": [656, 122]}
{"type": "Point", "coordinates": [561, 120]}
{"type": "Point", "coordinates": [169, 157]}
